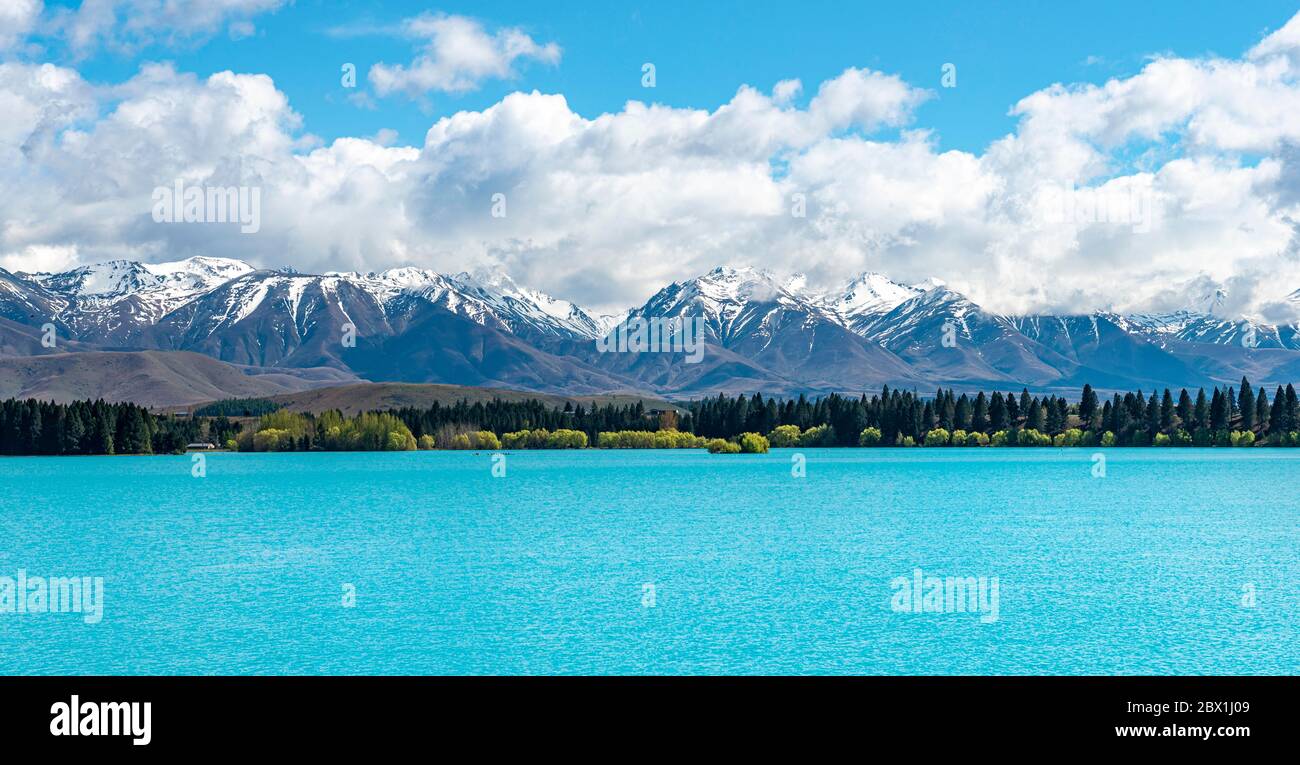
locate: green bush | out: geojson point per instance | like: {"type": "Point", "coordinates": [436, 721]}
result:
{"type": "Point", "coordinates": [477, 440]}
{"type": "Point", "coordinates": [648, 439]}
{"type": "Point", "coordinates": [723, 446]}
{"type": "Point", "coordinates": [937, 437]}
{"type": "Point", "coordinates": [869, 437]}
{"type": "Point", "coordinates": [272, 440]}
{"type": "Point", "coordinates": [784, 437]}
{"type": "Point", "coordinates": [976, 438]}
{"type": "Point", "coordinates": [1108, 439]}
{"type": "Point", "coordinates": [1031, 437]}
{"type": "Point", "coordinates": [676, 439]}
{"type": "Point", "coordinates": [544, 439]}
{"type": "Point", "coordinates": [1071, 437]}
{"type": "Point", "coordinates": [821, 435]}
{"type": "Point", "coordinates": [1162, 440]}
{"type": "Point", "coordinates": [1243, 438]}
{"type": "Point", "coordinates": [753, 443]}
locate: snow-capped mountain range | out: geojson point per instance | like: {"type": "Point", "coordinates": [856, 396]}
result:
{"type": "Point", "coordinates": [763, 332]}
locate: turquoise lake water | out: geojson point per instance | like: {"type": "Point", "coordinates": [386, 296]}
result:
{"type": "Point", "coordinates": [1178, 561]}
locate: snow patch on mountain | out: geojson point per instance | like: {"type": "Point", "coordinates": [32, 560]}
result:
{"type": "Point", "coordinates": [869, 295]}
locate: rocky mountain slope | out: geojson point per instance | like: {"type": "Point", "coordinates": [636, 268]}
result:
{"type": "Point", "coordinates": [760, 332]}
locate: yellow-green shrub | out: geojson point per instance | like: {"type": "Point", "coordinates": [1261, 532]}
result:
{"type": "Point", "coordinates": [937, 437]}
{"type": "Point", "coordinates": [784, 436]}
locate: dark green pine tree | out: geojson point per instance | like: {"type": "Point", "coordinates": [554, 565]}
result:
{"type": "Point", "coordinates": [1246, 405]}
{"type": "Point", "coordinates": [1277, 415]}
{"type": "Point", "coordinates": [1036, 419]}
{"type": "Point", "coordinates": [31, 428]}
{"type": "Point", "coordinates": [74, 430]}
{"type": "Point", "coordinates": [1123, 416]}
{"type": "Point", "coordinates": [962, 414]}
{"type": "Point", "coordinates": [1184, 410]}
{"type": "Point", "coordinates": [1261, 411]}
{"type": "Point", "coordinates": [1167, 412]}
{"type": "Point", "coordinates": [1218, 412]}
{"type": "Point", "coordinates": [998, 413]}
{"type": "Point", "coordinates": [1087, 405]}
{"type": "Point", "coordinates": [101, 441]}
{"type": "Point", "coordinates": [980, 416]}
{"type": "Point", "coordinates": [1201, 413]}
{"type": "Point", "coordinates": [1153, 415]}
{"type": "Point", "coordinates": [1292, 409]}
{"type": "Point", "coordinates": [53, 421]}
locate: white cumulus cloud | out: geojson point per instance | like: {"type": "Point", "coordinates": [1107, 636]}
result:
{"type": "Point", "coordinates": [128, 25]}
{"type": "Point", "coordinates": [17, 19]}
{"type": "Point", "coordinates": [458, 54]}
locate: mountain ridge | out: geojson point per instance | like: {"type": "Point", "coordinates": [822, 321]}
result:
{"type": "Point", "coordinates": [760, 331]}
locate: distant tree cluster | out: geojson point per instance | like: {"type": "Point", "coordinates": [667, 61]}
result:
{"type": "Point", "coordinates": [237, 407]}
{"type": "Point", "coordinates": [1226, 417]}
{"type": "Point", "coordinates": [545, 439]}
{"type": "Point", "coordinates": [503, 417]}
{"type": "Point", "coordinates": [90, 427]}
{"type": "Point", "coordinates": [1229, 416]}
{"type": "Point", "coordinates": [283, 431]}
{"type": "Point", "coordinates": [649, 439]}
{"type": "Point", "coordinates": [476, 440]}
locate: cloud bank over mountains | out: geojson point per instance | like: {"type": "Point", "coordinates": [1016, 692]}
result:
{"type": "Point", "coordinates": [599, 208]}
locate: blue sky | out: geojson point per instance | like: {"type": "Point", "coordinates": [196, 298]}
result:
{"type": "Point", "coordinates": [704, 51]}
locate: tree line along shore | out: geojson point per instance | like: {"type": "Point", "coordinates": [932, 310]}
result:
{"type": "Point", "coordinates": [1233, 416]}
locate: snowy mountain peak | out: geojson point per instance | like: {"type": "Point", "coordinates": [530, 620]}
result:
{"type": "Point", "coordinates": [726, 284]}
{"type": "Point", "coordinates": [116, 302]}
{"type": "Point", "coordinates": [101, 280]}
{"type": "Point", "coordinates": [871, 293]}
{"type": "Point", "coordinates": [202, 266]}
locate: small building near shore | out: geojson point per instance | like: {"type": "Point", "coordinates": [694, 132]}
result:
{"type": "Point", "coordinates": [199, 447]}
